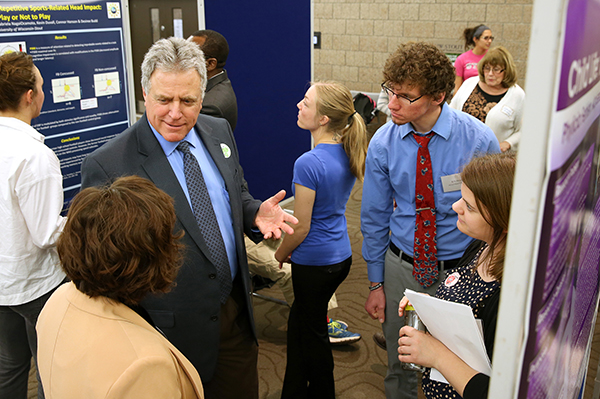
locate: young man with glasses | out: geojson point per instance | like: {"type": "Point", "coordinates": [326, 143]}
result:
{"type": "Point", "coordinates": [411, 181]}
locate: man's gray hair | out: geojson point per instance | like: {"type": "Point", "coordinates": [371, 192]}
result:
{"type": "Point", "coordinates": [173, 55]}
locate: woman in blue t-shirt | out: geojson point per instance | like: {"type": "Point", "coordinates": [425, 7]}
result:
{"type": "Point", "coordinates": [319, 250]}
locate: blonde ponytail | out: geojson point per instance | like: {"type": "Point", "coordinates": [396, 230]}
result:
{"type": "Point", "coordinates": [354, 140]}
{"type": "Point", "coordinates": [335, 101]}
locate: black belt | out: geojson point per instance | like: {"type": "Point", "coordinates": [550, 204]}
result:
{"type": "Point", "coordinates": [442, 264]}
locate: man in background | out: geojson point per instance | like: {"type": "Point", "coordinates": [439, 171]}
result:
{"type": "Point", "coordinates": [219, 98]}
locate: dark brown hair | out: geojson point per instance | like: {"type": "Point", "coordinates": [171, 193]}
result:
{"type": "Point", "coordinates": [491, 178]}
{"type": "Point", "coordinates": [17, 77]}
{"type": "Point", "coordinates": [470, 33]}
{"type": "Point", "coordinates": [118, 241]}
{"type": "Point", "coordinates": [422, 65]}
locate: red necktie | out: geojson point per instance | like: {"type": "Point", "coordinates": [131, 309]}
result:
{"type": "Point", "coordinates": [425, 269]}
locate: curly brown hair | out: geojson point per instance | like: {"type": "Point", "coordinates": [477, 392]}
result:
{"type": "Point", "coordinates": [422, 65]}
{"type": "Point", "coordinates": [17, 77]}
{"type": "Point", "coordinates": [118, 241]}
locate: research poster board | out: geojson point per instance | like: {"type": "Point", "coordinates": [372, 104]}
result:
{"type": "Point", "coordinates": [565, 283]}
{"type": "Point", "coordinates": [80, 50]}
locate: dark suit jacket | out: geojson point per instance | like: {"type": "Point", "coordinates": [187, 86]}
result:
{"type": "Point", "coordinates": [189, 314]}
{"type": "Point", "coordinates": [219, 99]}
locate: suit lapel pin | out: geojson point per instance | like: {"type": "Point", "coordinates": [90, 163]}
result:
{"type": "Point", "coordinates": [226, 150]}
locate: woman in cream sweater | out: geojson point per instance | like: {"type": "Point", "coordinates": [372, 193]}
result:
{"type": "Point", "coordinates": [494, 97]}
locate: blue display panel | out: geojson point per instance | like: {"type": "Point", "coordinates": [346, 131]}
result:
{"type": "Point", "coordinates": [79, 49]}
{"type": "Point", "coordinates": [269, 65]}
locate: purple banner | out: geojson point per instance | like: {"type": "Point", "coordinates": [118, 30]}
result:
{"type": "Point", "coordinates": [580, 69]}
{"type": "Point", "coordinates": [566, 278]}
{"type": "Point", "coordinates": [565, 291]}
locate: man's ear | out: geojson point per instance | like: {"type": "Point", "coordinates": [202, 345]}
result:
{"type": "Point", "coordinates": [211, 64]}
{"type": "Point", "coordinates": [440, 98]}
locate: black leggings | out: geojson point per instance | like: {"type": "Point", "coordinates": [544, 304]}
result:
{"type": "Point", "coordinates": [309, 370]}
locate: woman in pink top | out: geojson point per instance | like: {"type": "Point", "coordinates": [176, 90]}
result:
{"type": "Point", "coordinates": [480, 38]}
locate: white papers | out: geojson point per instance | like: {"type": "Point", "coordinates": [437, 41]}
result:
{"type": "Point", "coordinates": [455, 326]}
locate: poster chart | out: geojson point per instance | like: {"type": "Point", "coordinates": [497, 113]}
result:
{"type": "Point", "coordinates": [79, 49]}
{"type": "Point", "coordinates": [566, 278]}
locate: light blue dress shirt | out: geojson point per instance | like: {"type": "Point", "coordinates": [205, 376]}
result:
{"type": "Point", "coordinates": [215, 185]}
{"type": "Point", "coordinates": [390, 175]}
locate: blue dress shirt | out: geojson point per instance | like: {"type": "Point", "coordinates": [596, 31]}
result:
{"type": "Point", "coordinates": [215, 185]}
{"type": "Point", "coordinates": [390, 175]}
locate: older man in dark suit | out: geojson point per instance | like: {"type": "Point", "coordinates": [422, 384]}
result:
{"type": "Point", "coordinates": [194, 158]}
{"type": "Point", "coordinates": [219, 99]}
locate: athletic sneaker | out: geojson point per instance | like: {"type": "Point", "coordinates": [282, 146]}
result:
{"type": "Point", "coordinates": [339, 334]}
{"type": "Point", "coordinates": [339, 324]}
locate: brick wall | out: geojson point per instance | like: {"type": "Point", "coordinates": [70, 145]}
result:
{"type": "Point", "coordinates": [358, 35]}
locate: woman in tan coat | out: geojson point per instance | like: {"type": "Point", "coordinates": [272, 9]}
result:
{"type": "Point", "coordinates": [94, 340]}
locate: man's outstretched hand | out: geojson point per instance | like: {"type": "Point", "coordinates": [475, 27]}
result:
{"type": "Point", "coordinates": [271, 219]}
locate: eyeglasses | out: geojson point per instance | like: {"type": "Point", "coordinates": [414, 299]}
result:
{"type": "Point", "coordinates": [486, 38]}
{"type": "Point", "coordinates": [496, 70]}
{"type": "Point", "coordinates": [391, 93]}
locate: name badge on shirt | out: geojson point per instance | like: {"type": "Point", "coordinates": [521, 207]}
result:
{"type": "Point", "coordinates": [507, 111]}
{"type": "Point", "coordinates": [451, 182]}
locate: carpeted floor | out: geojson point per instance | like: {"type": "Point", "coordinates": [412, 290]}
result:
{"type": "Point", "coordinates": [359, 367]}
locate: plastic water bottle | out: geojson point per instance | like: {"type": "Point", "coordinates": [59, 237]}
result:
{"type": "Point", "coordinates": [412, 319]}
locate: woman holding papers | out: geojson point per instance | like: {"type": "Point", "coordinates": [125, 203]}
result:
{"type": "Point", "coordinates": [483, 213]}
{"type": "Point", "coordinates": [320, 247]}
